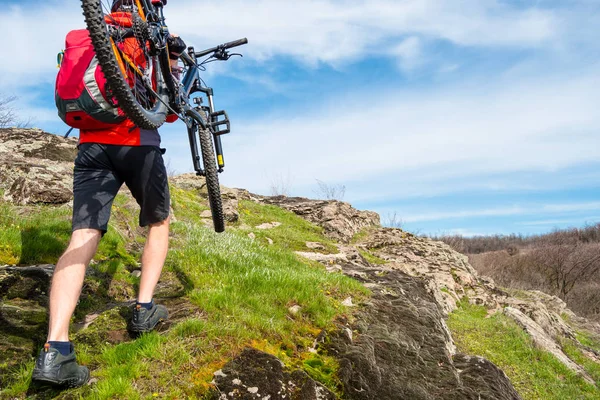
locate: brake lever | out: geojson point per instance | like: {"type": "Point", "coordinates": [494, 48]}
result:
{"type": "Point", "coordinates": [221, 54]}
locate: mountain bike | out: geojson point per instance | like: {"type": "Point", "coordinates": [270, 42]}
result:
{"type": "Point", "coordinates": [146, 90]}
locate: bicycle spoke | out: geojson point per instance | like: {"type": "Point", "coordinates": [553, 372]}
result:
{"type": "Point", "coordinates": [124, 27]}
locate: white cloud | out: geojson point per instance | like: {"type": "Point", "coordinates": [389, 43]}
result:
{"type": "Point", "coordinates": [529, 209]}
{"type": "Point", "coordinates": [562, 221]}
{"type": "Point", "coordinates": [410, 53]}
{"type": "Point", "coordinates": [311, 31]}
{"type": "Point", "coordinates": [35, 38]}
{"type": "Point", "coordinates": [471, 213]}
{"type": "Point", "coordinates": [426, 138]}
{"type": "Point", "coordinates": [462, 232]}
{"type": "Point", "coordinates": [329, 31]}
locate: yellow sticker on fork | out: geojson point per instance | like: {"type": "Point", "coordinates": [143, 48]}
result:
{"type": "Point", "coordinates": [220, 158]}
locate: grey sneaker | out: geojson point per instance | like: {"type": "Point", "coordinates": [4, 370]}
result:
{"type": "Point", "coordinates": [144, 320]}
{"type": "Point", "coordinates": [54, 368]}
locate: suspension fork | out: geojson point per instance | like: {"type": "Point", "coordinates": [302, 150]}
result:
{"type": "Point", "coordinates": [193, 136]}
{"type": "Point", "coordinates": [215, 128]}
{"type": "Point", "coordinates": [194, 119]}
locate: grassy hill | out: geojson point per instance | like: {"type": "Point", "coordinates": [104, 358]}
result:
{"type": "Point", "coordinates": [224, 291]}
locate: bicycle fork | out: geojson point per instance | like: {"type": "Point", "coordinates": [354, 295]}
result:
{"type": "Point", "coordinates": [214, 123]}
{"type": "Point", "coordinates": [215, 128]}
{"type": "Point", "coordinates": [217, 120]}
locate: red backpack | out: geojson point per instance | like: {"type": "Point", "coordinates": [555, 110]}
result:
{"type": "Point", "coordinates": [81, 93]}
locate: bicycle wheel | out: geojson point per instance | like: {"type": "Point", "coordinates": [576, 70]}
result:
{"type": "Point", "coordinates": [130, 63]}
{"type": "Point", "coordinates": [212, 177]}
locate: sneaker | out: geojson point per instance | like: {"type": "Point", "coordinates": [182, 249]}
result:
{"type": "Point", "coordinates": [54, 368]}
{"type": "Point", "coordinates": [144, 320]}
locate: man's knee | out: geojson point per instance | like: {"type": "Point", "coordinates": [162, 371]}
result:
{"type": "Point", "coordinates": [83, 237]}
{"type": "Point", "coordinates": [163, 223]}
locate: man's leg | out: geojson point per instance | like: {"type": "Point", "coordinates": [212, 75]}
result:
{"type": "Point", "coordinates": [146, 314]}
{"type": "Point", "coordinates": [57, 363]}
{"type": "Point", "coordinates": [68, 280]}
{"type": "Point", "coordinates": [153, 259]}
{"type": "Point", "coordinates": [149, 186]}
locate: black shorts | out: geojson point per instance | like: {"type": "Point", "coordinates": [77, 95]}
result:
{"type": "Point", "coordinates": [101, 170]}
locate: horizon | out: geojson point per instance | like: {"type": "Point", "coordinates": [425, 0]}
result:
{"type": "Point", "coordinates": [472, 117]}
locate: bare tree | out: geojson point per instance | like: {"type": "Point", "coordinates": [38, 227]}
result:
{"type": "Point", "coordinates": [281, 184]}
{"type": "Point", "coordinates": [393, 220]}
{"type": "Point", "coordinates": [567, 264]}
{"type": "Point", "coordinates": [330, 192]}
{"type": "Point", "coordinates": [8, 115]}
{"type": "Point", "coordinates": [171, 172]}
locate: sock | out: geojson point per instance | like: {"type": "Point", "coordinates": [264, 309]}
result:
{"type": "Point", "coordinates": [147, 306]}
{"type": "Point", "coordinates": [63, 348]}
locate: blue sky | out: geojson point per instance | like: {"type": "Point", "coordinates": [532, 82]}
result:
{"type": "Point", "coordinates": [464, 116]}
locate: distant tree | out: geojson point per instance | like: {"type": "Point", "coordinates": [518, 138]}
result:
{"type": "Point", "coordinates": [393, 220]}
{"type": "Point", "coordinates": [567, 263]}
{"type": "Point", "coordinates": [8, 115]}
{"type": "Point", "coordinates": [330, 192]}
{"type": "Point", "coordinates": [281, 185]}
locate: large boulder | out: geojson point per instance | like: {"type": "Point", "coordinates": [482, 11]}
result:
{"type": "Point", "coordinates": [399, 347]}
{"type": "Point", "coordinates": [23, 315]}
{"type": "Point", "coordinates": [36, 167]}
{"type": "Point", "coordinates": [448, 277]}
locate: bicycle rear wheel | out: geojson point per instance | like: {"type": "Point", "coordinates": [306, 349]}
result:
{"type": "Point", "coordinates": [136, 72]}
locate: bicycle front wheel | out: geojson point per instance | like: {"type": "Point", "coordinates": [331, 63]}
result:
{"type": "Point", "coordinates": [212, 177]}
{"type": "Point", "coordinates": [134, 70]}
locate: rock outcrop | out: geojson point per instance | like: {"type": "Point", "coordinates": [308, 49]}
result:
{"type": "Point", "coordinates": [36, 167]}
{"type": "Point", "coordinates": [339, 220]}
{"type": "Point", "coordinates": [399, 347]}
{"type": "Point", "coordinates": [448, 277]}
{"type": "Point", "coordinates": [257, 375]}
{"type": "Point", "coordinates": [23, 315]}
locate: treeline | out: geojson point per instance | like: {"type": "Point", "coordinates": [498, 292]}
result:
{"type": "Point", "coordinates": [511, 243]}
{"type": "Point", "coordinates": [565, 263]}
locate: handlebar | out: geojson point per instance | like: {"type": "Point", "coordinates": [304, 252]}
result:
{"type": "Point", "coordinates": [224, 46]}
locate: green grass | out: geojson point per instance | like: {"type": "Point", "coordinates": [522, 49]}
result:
{"type": "Point", "coordinates": [292, 234]}
{"type": "Point", "coordinates": [534, 373]}
{"type": "Point", "coordinates": [40, 234]}
{"type": "Point", "coordinates": [574, 352]}
{"type": "Point", "coordinates": [362, 235]}
{"type": "Point", "coordinates": [33, 235]}
{"type": "Point", "coordinates": [254, 284]}
{"type": "Point", "coordinates": [242, 288]}
{"type": "Point", "coordinates": [587, 339]}
{"type": "Point", "coordinates": [372, 258]}
{"type": "Point", "coordinates": [187, 204]}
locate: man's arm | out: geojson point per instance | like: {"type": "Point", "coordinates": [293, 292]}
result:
{"type": "Point", "coordinates": [176, 47]}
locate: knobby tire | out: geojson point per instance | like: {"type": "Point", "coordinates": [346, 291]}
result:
{"type": "Point", "coordinates": [146, 119]}
{"type": "Point", "coordinates": [212, 177]}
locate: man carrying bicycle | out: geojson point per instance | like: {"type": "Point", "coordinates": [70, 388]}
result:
{"type": "Point", "coordinates": [107, 158]}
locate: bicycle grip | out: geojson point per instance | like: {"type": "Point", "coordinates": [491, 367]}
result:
{"type": "Point", "coordinates": [236, 43]}
{"type": "Point", "coordinates": [225, 46]}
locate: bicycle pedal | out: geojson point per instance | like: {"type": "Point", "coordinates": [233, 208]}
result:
{"type": "Point", "coordinates": [218, 121]}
